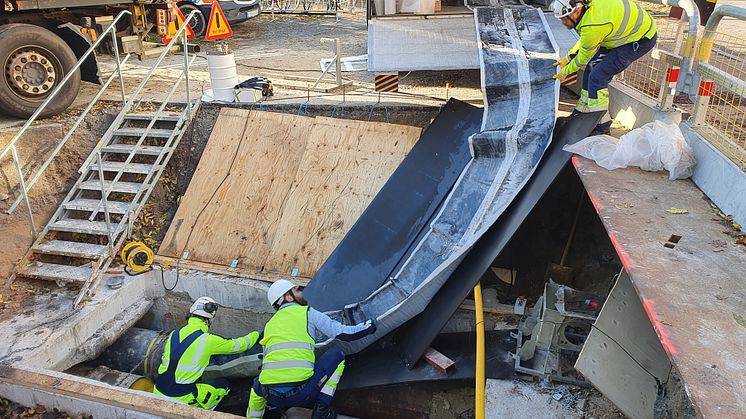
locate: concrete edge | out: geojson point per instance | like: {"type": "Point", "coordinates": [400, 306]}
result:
{"type": "Point", "coordinates": [633, 109]}
{"type": "Point", "coordinates": [82, 396]}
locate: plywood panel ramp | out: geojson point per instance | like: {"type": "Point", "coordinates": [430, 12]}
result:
{"type": "Point", "coordinates": [277, 191]}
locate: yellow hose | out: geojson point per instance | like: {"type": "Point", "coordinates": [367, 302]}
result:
{"type": "Point", "coordinates": [479, 393]}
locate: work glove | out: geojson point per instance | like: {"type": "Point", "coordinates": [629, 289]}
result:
{"type": "Point", "coordinates": [562, 62]}
{"type": "Point", "coordinates": [560, 76]}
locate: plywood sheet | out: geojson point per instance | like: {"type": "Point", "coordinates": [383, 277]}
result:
{"type": "Point", "coordinates": [280, 191]}
{"type": "Point", "coordinates": [234, 202]}
{"type": "Point", "coordinates": [345, 164]}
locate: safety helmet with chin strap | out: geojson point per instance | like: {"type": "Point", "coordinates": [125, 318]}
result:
{"type": "Point", "coordinates": [563, 8]}
{"type": "Point", "coordinates": [204, 307]}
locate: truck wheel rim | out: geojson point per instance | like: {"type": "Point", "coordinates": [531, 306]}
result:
{"type": "Point", "coordinates": [31, 72]}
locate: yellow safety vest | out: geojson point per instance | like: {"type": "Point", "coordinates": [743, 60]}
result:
{"type": "Point", "coordinates": [609, 24]}
{"type": "Point", "coordinates": [196, 356]}
{"type": "Point", "coordinates": [288, 348]}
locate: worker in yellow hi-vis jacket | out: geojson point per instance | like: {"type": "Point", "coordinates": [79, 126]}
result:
{"type": "Point", "coordinates": [291, 374]}
{"type": "Point", "coordinates": [613, 34]}
{"type": "Point", "coordinates": [187, 354]}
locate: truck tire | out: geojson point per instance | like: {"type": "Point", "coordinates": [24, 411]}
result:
{"type": "Point", "coordinates": [199, 23]}
{"type": "Point", "coordinates": [34, 61]}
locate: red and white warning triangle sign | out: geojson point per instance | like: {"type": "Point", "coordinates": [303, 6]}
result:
{"type": "Point", "coordinates": [218, 28]}
{"type": "Point", "coordinates": [175, 21]}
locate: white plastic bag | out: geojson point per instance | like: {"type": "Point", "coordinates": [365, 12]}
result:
{"type": "Point", "coordinates": [652, 147]}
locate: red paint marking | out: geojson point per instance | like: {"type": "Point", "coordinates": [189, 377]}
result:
{"type": "Point", "coordinates": [705, 88]}
{"type": "Point", "coordinates": [672, 75]}
{"type": "Point", "coordinates": [662, 335]}
{"type": "Point", "coordinates": [623, 256]}
{"type": "Point", "coordinates": [596, 203]}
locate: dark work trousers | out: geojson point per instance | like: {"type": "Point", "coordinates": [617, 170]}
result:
{"type": "Point", "coordinates": [283, 397]}
{"type": "Point", "coordinates": [607, 63]}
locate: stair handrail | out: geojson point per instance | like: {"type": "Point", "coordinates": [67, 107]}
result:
{"type": "Point", "coordinates": [11, 146]}
{"type": "Point", "coordinates": [180, 35]}
{"type": "Point", "coordinates": [96, 276]}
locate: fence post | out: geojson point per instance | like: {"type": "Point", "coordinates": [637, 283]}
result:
{"type": "Point", "coordinates": [706, 85]}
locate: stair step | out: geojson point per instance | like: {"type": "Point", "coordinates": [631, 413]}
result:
{"type": "Point", "coordinates": [80, 204]}
{"type": "Point", "coordinates": [116, 166]}
{"type": "Point", "coordinates": [149, 150]}
{"type": "Point", "coordinates": [138, 132]}
{"type": "Point", "coordinates": [54, 272]}
{"type": "Point", "coordinates": [71, 249]}
{"type": "Point", "coordinates": [148, 116]}
{"type": "Point", "coordinates": [125, 187]}
{"type": "Point", "coordinates": [82, 226]}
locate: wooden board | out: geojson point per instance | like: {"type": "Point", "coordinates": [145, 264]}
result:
{"type": "Point", "coordinates": [693, 292]}
{"type": "Point", "coordinates": [345, 164]}
{"type": "Point", "coordinates": [277, 191]}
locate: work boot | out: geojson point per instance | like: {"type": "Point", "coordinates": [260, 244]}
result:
{"type": "Point", "coordinates": [323, 411]}
{"type": "Point", "coordinates": [603, 128]}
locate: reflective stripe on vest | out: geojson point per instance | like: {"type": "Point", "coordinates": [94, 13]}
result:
{"type": "Point", "coordinates": [618, 38]}
{"type": "Point", "coordinates": [288, 345]}
{"type": "Point", "coordinates": [288, 348]}
{"type": "Point", "coordinates": [166, 383]}
{"type": "Point", "coordinates": [628, 20]}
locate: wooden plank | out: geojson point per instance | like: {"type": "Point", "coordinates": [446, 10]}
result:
{"type": "Point", "coordinates": [78, 388]}
{"type": "Point", "coordinates": [438, 361]}
{"type": "Point", "coordinates": [248, 273]}
{"type": "Point", "coordinates": [692, 292]}
{"type": "Point", "coordinates": [345, 165]}
{"type": "Point", "coordinates": [221, 147]}
{"type": "Point", "coordinates": [295, 188]}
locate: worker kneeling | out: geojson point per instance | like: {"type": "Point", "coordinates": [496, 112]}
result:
{"type": "Point", "coordinates": [613, 34]}
{"type": "Point", "coordinates": [291, 375]}
{"type": "Point", "coordinates": [187, 353]}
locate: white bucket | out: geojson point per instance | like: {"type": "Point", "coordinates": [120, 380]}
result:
{"type": "Point", "coordinates": [223, 76]}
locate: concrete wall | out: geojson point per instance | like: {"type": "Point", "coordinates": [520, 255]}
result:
{"type": "Point", "coordinates": [633, 110]}
{"type": "Point", "coordinates": [50, 334]}
{"type": "Point", "coordinates": [243, 302]}
{"type": "Point", "coordinates": [717, 176]}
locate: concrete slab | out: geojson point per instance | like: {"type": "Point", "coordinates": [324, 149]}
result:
{"type": "Point", "coordinates": [50, 334]}
{"type": "Point", "coordinates": [688, 271]}
{"type": "Point", "coordinates": [510, 399]}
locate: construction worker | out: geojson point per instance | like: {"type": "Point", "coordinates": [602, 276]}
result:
{"type": "Point", "coordinates": [187, 353]}
{"type": "Point", "coordinates": [291, 375]}
{"type": "Point", "coordinates": [613, 34]}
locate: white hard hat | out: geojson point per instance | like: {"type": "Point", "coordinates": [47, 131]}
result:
{"type": "Point", "coordinates": [562, 8]}
{"type": "Point", "coordinates": [278, 289]}
{"type": "Point", "coordinates": [204, 307]}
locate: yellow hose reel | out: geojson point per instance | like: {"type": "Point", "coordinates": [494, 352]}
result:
{"type": "Point", "coordinates": [137, 258]}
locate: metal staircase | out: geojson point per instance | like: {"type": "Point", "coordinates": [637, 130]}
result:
{"type": "Point", "coordinates": [82, 237]}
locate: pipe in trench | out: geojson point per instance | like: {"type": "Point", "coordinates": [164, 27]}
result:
{"type": "Point", "coordinates": [139, 351]}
